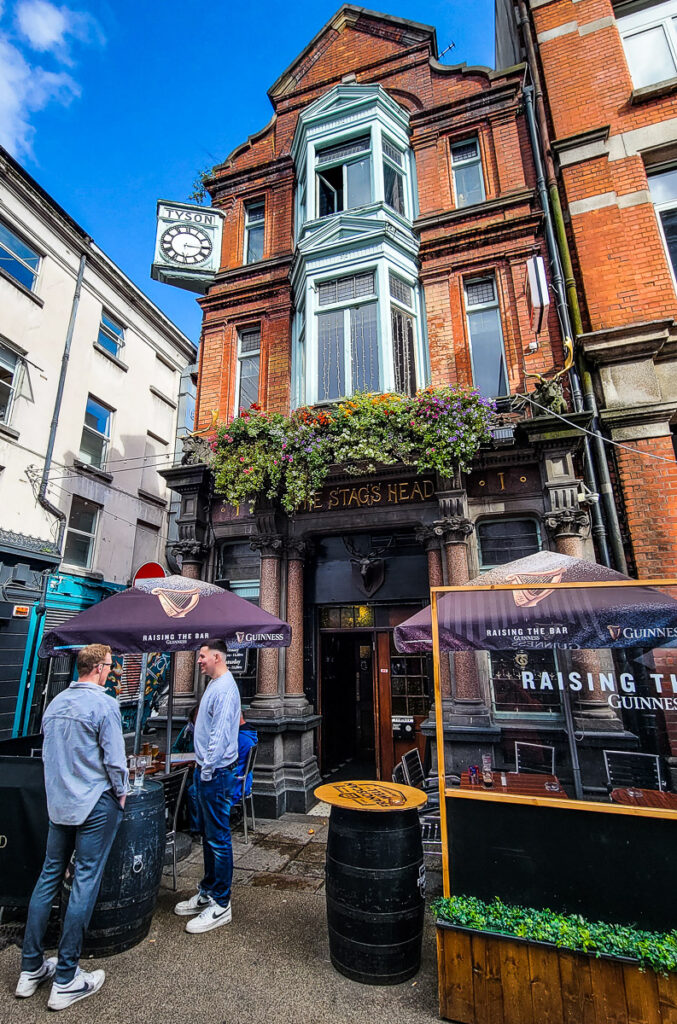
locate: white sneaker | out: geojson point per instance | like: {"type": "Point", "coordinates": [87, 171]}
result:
{"type": "Point", "coordinates": [30, 981]}
{"type": "Point", "coordinates": [85, 983]}
{"type": "Point", "coordinates": [187, 908]}
{"type": "Point", "coordinates": [211, 917]}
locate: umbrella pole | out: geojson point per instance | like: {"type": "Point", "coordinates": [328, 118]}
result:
{"type": "Point", "coordinates": [170, 715]}
{"type": "Point", "coordinates": [571, 739]}
{"type": "Point", "coordinates": [140, 703]}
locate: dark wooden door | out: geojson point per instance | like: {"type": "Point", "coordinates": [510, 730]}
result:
{"type": "Point", "coordinates": [383, 709]}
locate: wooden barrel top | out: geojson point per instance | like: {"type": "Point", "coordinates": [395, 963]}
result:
{"type": "Point", "coordinates": [368, 795]}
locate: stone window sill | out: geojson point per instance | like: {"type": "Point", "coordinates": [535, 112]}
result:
{"type": "Point", "coordinates": [77, 570]}
{"type": "Point", "coordinates": [109, 355]}
{"type": "Point", "coordinates": [163, 398]}
{"type": "Point", "coordinates": [21, 287]}
{"type": "Point", "coordinates": [154, 499]}
{"type": "Point", "coordinates": [653, 91]}
{"type": "Point", "coordinates": [98, 474]}
{"type": "Point", "coordinates": [10, 432]}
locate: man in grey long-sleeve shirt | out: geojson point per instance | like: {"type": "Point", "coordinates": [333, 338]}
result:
{"type": "Point", "coordinates": [215, 739]}
{"type": "Point", "coordinates": [86, 784]}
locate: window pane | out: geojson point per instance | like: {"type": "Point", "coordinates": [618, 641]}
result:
{"type": "Point", "coordinates": [330, 191]}
{"type": "Point", "coordinates": [392, 152]}
{"type": "Point", "coordinates": [97, 416]}
{"type": "Point", "coordinates": [364, 348]}
{"type": "Point", "coordinates": [92, 448]}
{"type": "Point", "coordinates": [82, 516]}
{"type": "Point", "coordinates": [394, 188]}
{"type": "Point", "coordinates": [486, 343]}
{"type": "Point", "coordinates": [506, 682]}
{"type": "Point", "coordinates": [649, 57]}
{"type": "Point", "coordinates": [255, 213]}
{"type": "Point", "coordinates": [5, 393]}
{"type": "Point", "coordinates": [468, 184]}
{"type": "Point", "coordinates": [359, 183]}
{"type": "Point", "coordinates": [464, 151]}
{"type": "Point", "coordinates": [663, 186]}
{"type": "Point", "coordinates": [255, 244]}
{"type": "Point", "coordinates": [330, 357]}
{"type": "Point", "coordinates": [111, 334]}
{"type": "Point", "coordinates": [506, 540]}
{"type": "Point", "coordinates": [250, 341]}
{"type": "Point", "coordinates": [17, 259]}
{"type": "Point", "coordinates": [669, 222]}
{"type": "Point", "coordinates": [249, 381]}
{"type": "Point", "coordinates": [77, 550]}
{"type": "Point", "coordinates": [345, 149]}
{"type": "Point", "coordinates": [403, 351]}
{"type": "Point", "coordinates": [345, 288]}
{"type": "Point", "coordinates": [400, 290]}
{"type": "Point", "coordinates": [479, 293]}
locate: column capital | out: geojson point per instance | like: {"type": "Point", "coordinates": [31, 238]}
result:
{"type": "Point", "coordinates": [429, 536]}
{"type": "Point", "coordinates": [567, 522]}
{"type": "Point", "coordinates": [298, 549]}
{"type": "Point", "coordinates": [269, 544]}
{"type": "Point", "coordinates": [190, 550]}
{"type": "Point", "coordinates": [453, 529]}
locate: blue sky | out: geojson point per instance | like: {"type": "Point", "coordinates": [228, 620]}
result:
{"type": "Point", "coordinates": [112, 105]}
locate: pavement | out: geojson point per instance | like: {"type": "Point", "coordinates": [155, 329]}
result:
{"type": "Point", "coordinates": [269, 966]}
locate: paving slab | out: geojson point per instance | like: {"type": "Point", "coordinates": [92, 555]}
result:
{"type": "Point", "coordinates": [271, 963]}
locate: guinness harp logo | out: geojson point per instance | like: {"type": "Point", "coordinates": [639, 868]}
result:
{"type": "Point", "coordinates": [614, 632]}
{"type": "Point", "coordinates": [529, 598]}
{"type": "Point", "coordinates": [239, 637]}
{"type": "Point", "coordinates": [177, 603]}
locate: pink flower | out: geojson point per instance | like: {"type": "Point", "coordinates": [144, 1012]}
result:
{"type": "Point", "coordinates": [242, 458]}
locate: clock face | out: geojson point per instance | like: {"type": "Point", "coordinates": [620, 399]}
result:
{"type": "Point", "coordinates": [185, 244]}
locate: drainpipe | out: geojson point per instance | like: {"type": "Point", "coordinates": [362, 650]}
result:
{"type": "Point", "coordinates": [43, 500]}
{"type": "Point", "coordinates": [598, 527]}
{"type": "Point", "coordinates": [562, 259]}
{"type": "Point", "coordinates": [42, 493]}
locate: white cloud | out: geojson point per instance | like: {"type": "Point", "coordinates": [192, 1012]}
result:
{"type": "Point", "coordinates": [50, 29]}
{"type": "Point", "coordinates": [23, 91]}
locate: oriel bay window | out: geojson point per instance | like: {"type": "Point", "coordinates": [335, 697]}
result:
{"type": "Point", "coordinates": [402, 327]}
{"type": "Point", "coordinates": [486, 337]}
{"type": "Point", "coordinates": [347, 337]}
{"type": "Point", "coordinates": [343, 176]}
{"type": "Point", "coordinates": [393, 176]}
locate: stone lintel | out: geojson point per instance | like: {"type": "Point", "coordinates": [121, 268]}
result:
{"type": "Point", "coordinates": [631, 423]}
{"type": "Point", "coordinates": [629, 343]}
{"type": "Point", "coordinates": [550, 432]}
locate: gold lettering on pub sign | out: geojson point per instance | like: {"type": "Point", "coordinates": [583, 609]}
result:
{"type": "Point", "coordinates": [390, 492]}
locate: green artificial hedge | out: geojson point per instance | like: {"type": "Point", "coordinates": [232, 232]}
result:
{"type": "Point", "coordinates": [657, 950]}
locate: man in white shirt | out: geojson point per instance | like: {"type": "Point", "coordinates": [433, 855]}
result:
{"type": "Point", "coordinates": [216, 732]}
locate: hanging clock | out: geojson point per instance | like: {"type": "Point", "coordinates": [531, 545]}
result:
{"type": "Point", "coordinates": [186, 245]}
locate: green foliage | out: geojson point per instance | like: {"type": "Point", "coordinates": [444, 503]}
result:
{"type": "Point", "coordinates": [289, 458]}
{"type": "Point", "coordinates": [657, 950]}
{"type": "Point", "coordinates": [199, 193]}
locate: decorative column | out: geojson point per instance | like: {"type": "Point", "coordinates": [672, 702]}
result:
{"type": "Point", "coordinates": [185, 697]}
{"type": "Point", "coordinates": [267, 701]}
{"type": "Point", "coordinates": [568, 527]}
{"type": "Point", "coordinates": [191, 480]}
{"type": "Point", "coordinates": [429, 536]}
{"type": "Point", "coordinates": [295, 702]}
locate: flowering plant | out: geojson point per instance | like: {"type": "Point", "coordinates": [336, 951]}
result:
{"type": "Point", "coordinates": [289, 457]}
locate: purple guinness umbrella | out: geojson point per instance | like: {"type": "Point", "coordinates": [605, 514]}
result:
{"type": "Point", "coordinates": [172, 613]}
{"type": "Point", "coordinates": [595, 617]}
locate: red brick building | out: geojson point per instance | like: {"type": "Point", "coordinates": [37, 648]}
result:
{"type": "Point", "coordinates": [608, 73]}
{"type": "Point", "coordinates": [390, 200]}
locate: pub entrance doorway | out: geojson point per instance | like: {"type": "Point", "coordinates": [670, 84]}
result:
{"type": "Point", "coordinates": [373, 700]}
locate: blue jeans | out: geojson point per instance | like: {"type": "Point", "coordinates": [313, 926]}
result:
{"type": "Point", "coordinates": [214, 800]}
{"type": "Point", "coordinates": [92, 842]}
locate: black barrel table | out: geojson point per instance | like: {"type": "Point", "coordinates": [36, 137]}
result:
{"type": "Point", "coordinates": [131, 879]}
{"type": "Point", "coordinates": [375, 880]}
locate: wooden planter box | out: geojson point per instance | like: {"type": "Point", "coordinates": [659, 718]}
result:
{"type": "Point", "coordinates": [485, 978]}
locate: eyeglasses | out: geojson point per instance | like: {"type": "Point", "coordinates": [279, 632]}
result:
{"type": "Point", "coordinates": [106, 664]}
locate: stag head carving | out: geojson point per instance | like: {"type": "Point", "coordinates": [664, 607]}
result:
{"type": "Point", "coordinates": [368, 569]}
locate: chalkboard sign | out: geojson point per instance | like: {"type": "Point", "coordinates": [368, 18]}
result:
{"type": "Point", "coordinates": [237, 661]}
{"type": "Point", "coordinates": [612, 867]}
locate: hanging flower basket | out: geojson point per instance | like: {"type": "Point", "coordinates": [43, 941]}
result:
{"type": "Point", "coordinates": [288, 458]}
